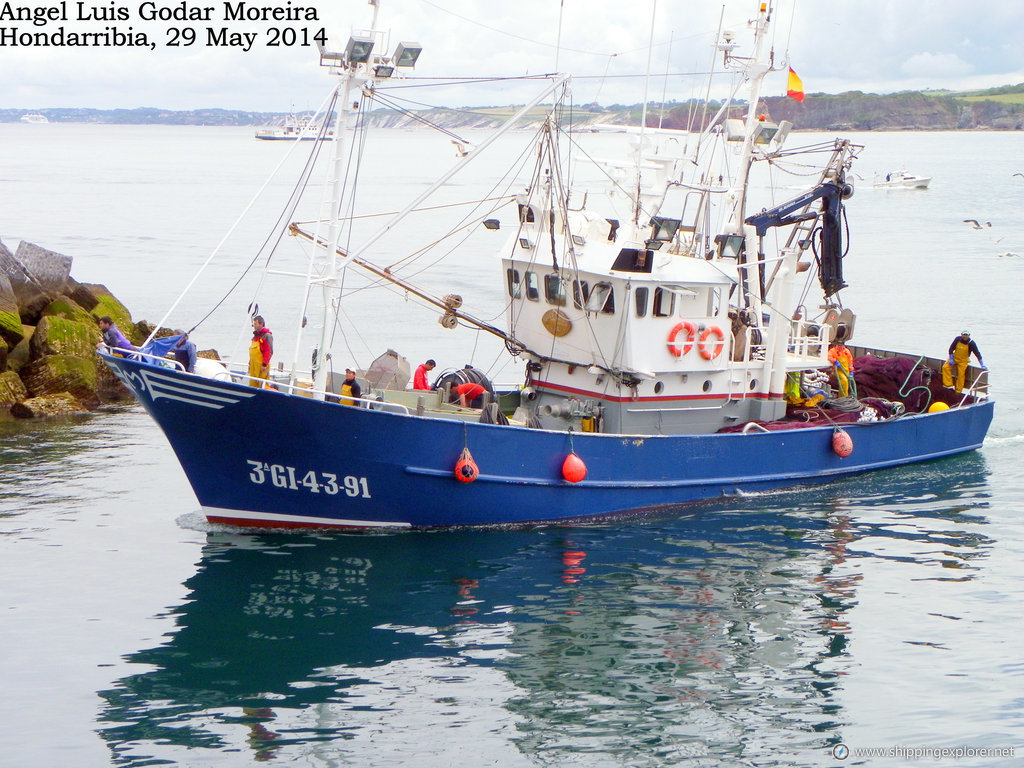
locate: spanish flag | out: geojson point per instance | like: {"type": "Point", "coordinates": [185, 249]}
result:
{"type": "Point", "coordinates": [795, 88]}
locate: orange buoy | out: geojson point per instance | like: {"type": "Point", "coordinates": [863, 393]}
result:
{"type": "Point", "coordinates": [573, 468]}
{"type": "Point", "coordinates": [842, 443]}
{"type": "Point", "coordinates": [466, 470]}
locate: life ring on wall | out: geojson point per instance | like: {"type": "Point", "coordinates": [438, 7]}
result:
{"type": "Point", "coordinates": [711, 351]}
{"type": "Point", "coordinates": [674, 347]}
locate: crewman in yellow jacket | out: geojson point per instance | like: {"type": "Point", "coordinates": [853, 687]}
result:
{"type": "Point", "coordinates": [260, 351]}
{"type": "Point", "coordinates": [960, 352]}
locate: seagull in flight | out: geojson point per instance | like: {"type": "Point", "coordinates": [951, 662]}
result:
{"type": "Point", "coordinates": [976, 225]}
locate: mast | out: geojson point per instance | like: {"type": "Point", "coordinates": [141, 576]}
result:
{"type": "Point", "coordinates": [755, 70]}
{"type": "Point", "coordinates": [353, 70]}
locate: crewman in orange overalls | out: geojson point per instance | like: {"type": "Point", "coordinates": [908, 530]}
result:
{"type": "Point", "coordinates": [842, 360]}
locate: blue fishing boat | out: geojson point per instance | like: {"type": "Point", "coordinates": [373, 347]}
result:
{"type": "Point", "coordinates": [674, 345]}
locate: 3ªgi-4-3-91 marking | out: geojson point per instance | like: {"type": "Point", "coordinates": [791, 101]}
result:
{"type": "Point", "coordinates": [281, 476]}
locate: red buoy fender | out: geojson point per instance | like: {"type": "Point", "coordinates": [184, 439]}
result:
{"type": "Point", "coordinates": [842, 443]}
{"type": "Point", "coordinates": [573, 468]}
{"type": "Point", "coordinates": [677, 348]}
{"type": "Point", "coordinates": [709, 351]}
{"type": "Point", "coordinates": [466, 470]}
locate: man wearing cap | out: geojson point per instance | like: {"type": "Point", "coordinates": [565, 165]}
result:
{"type": "Point", "coordinates": [350, 389]}
{"type": "Point", "coordinates": [960, 352]}
{"type": "Point", "coordinates": [184, 352]}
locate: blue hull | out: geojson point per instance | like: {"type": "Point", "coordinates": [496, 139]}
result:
{"type": "Point", "coordinates": [261, 458]}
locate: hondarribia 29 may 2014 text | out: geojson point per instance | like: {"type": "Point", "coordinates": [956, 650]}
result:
{"type": "Point", "coordinates": [76, 24]}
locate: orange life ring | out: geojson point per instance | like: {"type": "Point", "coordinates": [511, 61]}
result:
{"type": "Point", "coordinates": [676, 349]}
{"type": "Point", "coordinates": [715, 349]}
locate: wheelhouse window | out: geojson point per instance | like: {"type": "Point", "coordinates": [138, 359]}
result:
{"type": "Point", "coordinates": [554, 290]}
{"type": "Point", "coordinates": [664, 303]}
{"type": "Point", "coordinates": [580, 293]}
{"type": "Point", "coordinates": [640, 296]}
{"type": "Point", "coordinates": [515, 288]}
{"type": "Point", "coordinates": [602, 299]}
{"type": "Point", "coordinates": [532, 287]}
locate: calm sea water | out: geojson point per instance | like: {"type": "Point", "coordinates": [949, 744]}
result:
{"type": "Point", "coordinates": [880, 612]}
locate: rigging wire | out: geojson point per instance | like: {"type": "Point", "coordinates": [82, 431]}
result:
{"type": "Point", "coordinates": [329, 100]}
{"type": "Point", "coordinates": [393, 104]}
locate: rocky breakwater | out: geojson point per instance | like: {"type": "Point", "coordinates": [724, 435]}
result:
{"type": "Point", "coordinates": [49, 333]}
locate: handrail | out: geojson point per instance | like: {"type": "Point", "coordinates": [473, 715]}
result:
{"type": "Point", "coordinates": [138, 354]}
{"type": "Point", "coordinates": [975, 390]}
{"type": "Point", "coordinates": [331, 397]}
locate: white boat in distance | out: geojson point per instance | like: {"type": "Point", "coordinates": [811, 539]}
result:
{"type": "Point", "coordinates": [34, 118]}
{"type": "Point", "coordinates": [902, 179]}
{"type": "Point", "coordinates": [293, 127]}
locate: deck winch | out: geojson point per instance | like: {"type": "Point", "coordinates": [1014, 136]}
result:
{"type": "Point", "coordinates": [572, 408]}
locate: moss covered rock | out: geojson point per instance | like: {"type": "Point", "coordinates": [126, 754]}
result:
{"type": "Point", "coordinates": [17, 357]}
{"type": "Point", "coordinates": [107, 305]}
{"type": "Point", "coordinates": [80, 294]}
{"type": "Point", "coordinates": [53, 374]}
{"type": "Point", "coordinates": [69, 309]}
{"type": "Point", "coordinates": [10, 317]}
{"type": "Point", "coordinates": [60, 404]}
{"type": "Point", "coordinates": [12, 390]}
{"type": "Point", "coordinates": [29, 296]}
{"type": "Point", "coordinates": [56, 335]}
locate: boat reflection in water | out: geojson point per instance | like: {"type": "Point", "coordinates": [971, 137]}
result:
{"type": "Point", "coordinates": [644, 643]}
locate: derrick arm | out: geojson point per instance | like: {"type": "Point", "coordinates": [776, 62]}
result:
{"type": "Point", "coordinates": [798, 210]}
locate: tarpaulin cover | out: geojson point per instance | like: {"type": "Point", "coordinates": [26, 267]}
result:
{"type": "Point", "coordinates": [160, 347]}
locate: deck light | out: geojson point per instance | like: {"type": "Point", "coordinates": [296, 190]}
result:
{"type": "Point", "coordinates": [729, 246]}
{"type": "Point", "coordinates": [330, 58]}
{"type": "Point", "coordinates": [406, 54]}
{"type": "Point", "coordinates": [383, 70]}
{"type": "Point", "coordinates": [664, 228]}
{"type": "Point", "coordinates": [358, 49]}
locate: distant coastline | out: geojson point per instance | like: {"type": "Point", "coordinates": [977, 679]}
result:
{"type": "Point", "coordinates": [993, 109]}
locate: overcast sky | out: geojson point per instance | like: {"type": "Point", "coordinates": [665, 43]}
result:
{"type": "Point", "coordinates": [877, 46]}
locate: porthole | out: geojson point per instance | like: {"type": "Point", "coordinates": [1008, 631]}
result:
{"type": "Point", "coordinates": [753, 384]}
{"type": "Point", "coordinates": [707, 385]}
{"type": "Point", "coordinates": [658, 386]}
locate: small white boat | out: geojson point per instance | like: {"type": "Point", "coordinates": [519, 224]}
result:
{"type": "Point", "coordinates": [293, 127]}
{"type": "Point", "coordinates": [902, 179]}
{"type": "Point", "coordinates": [34, 118]}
